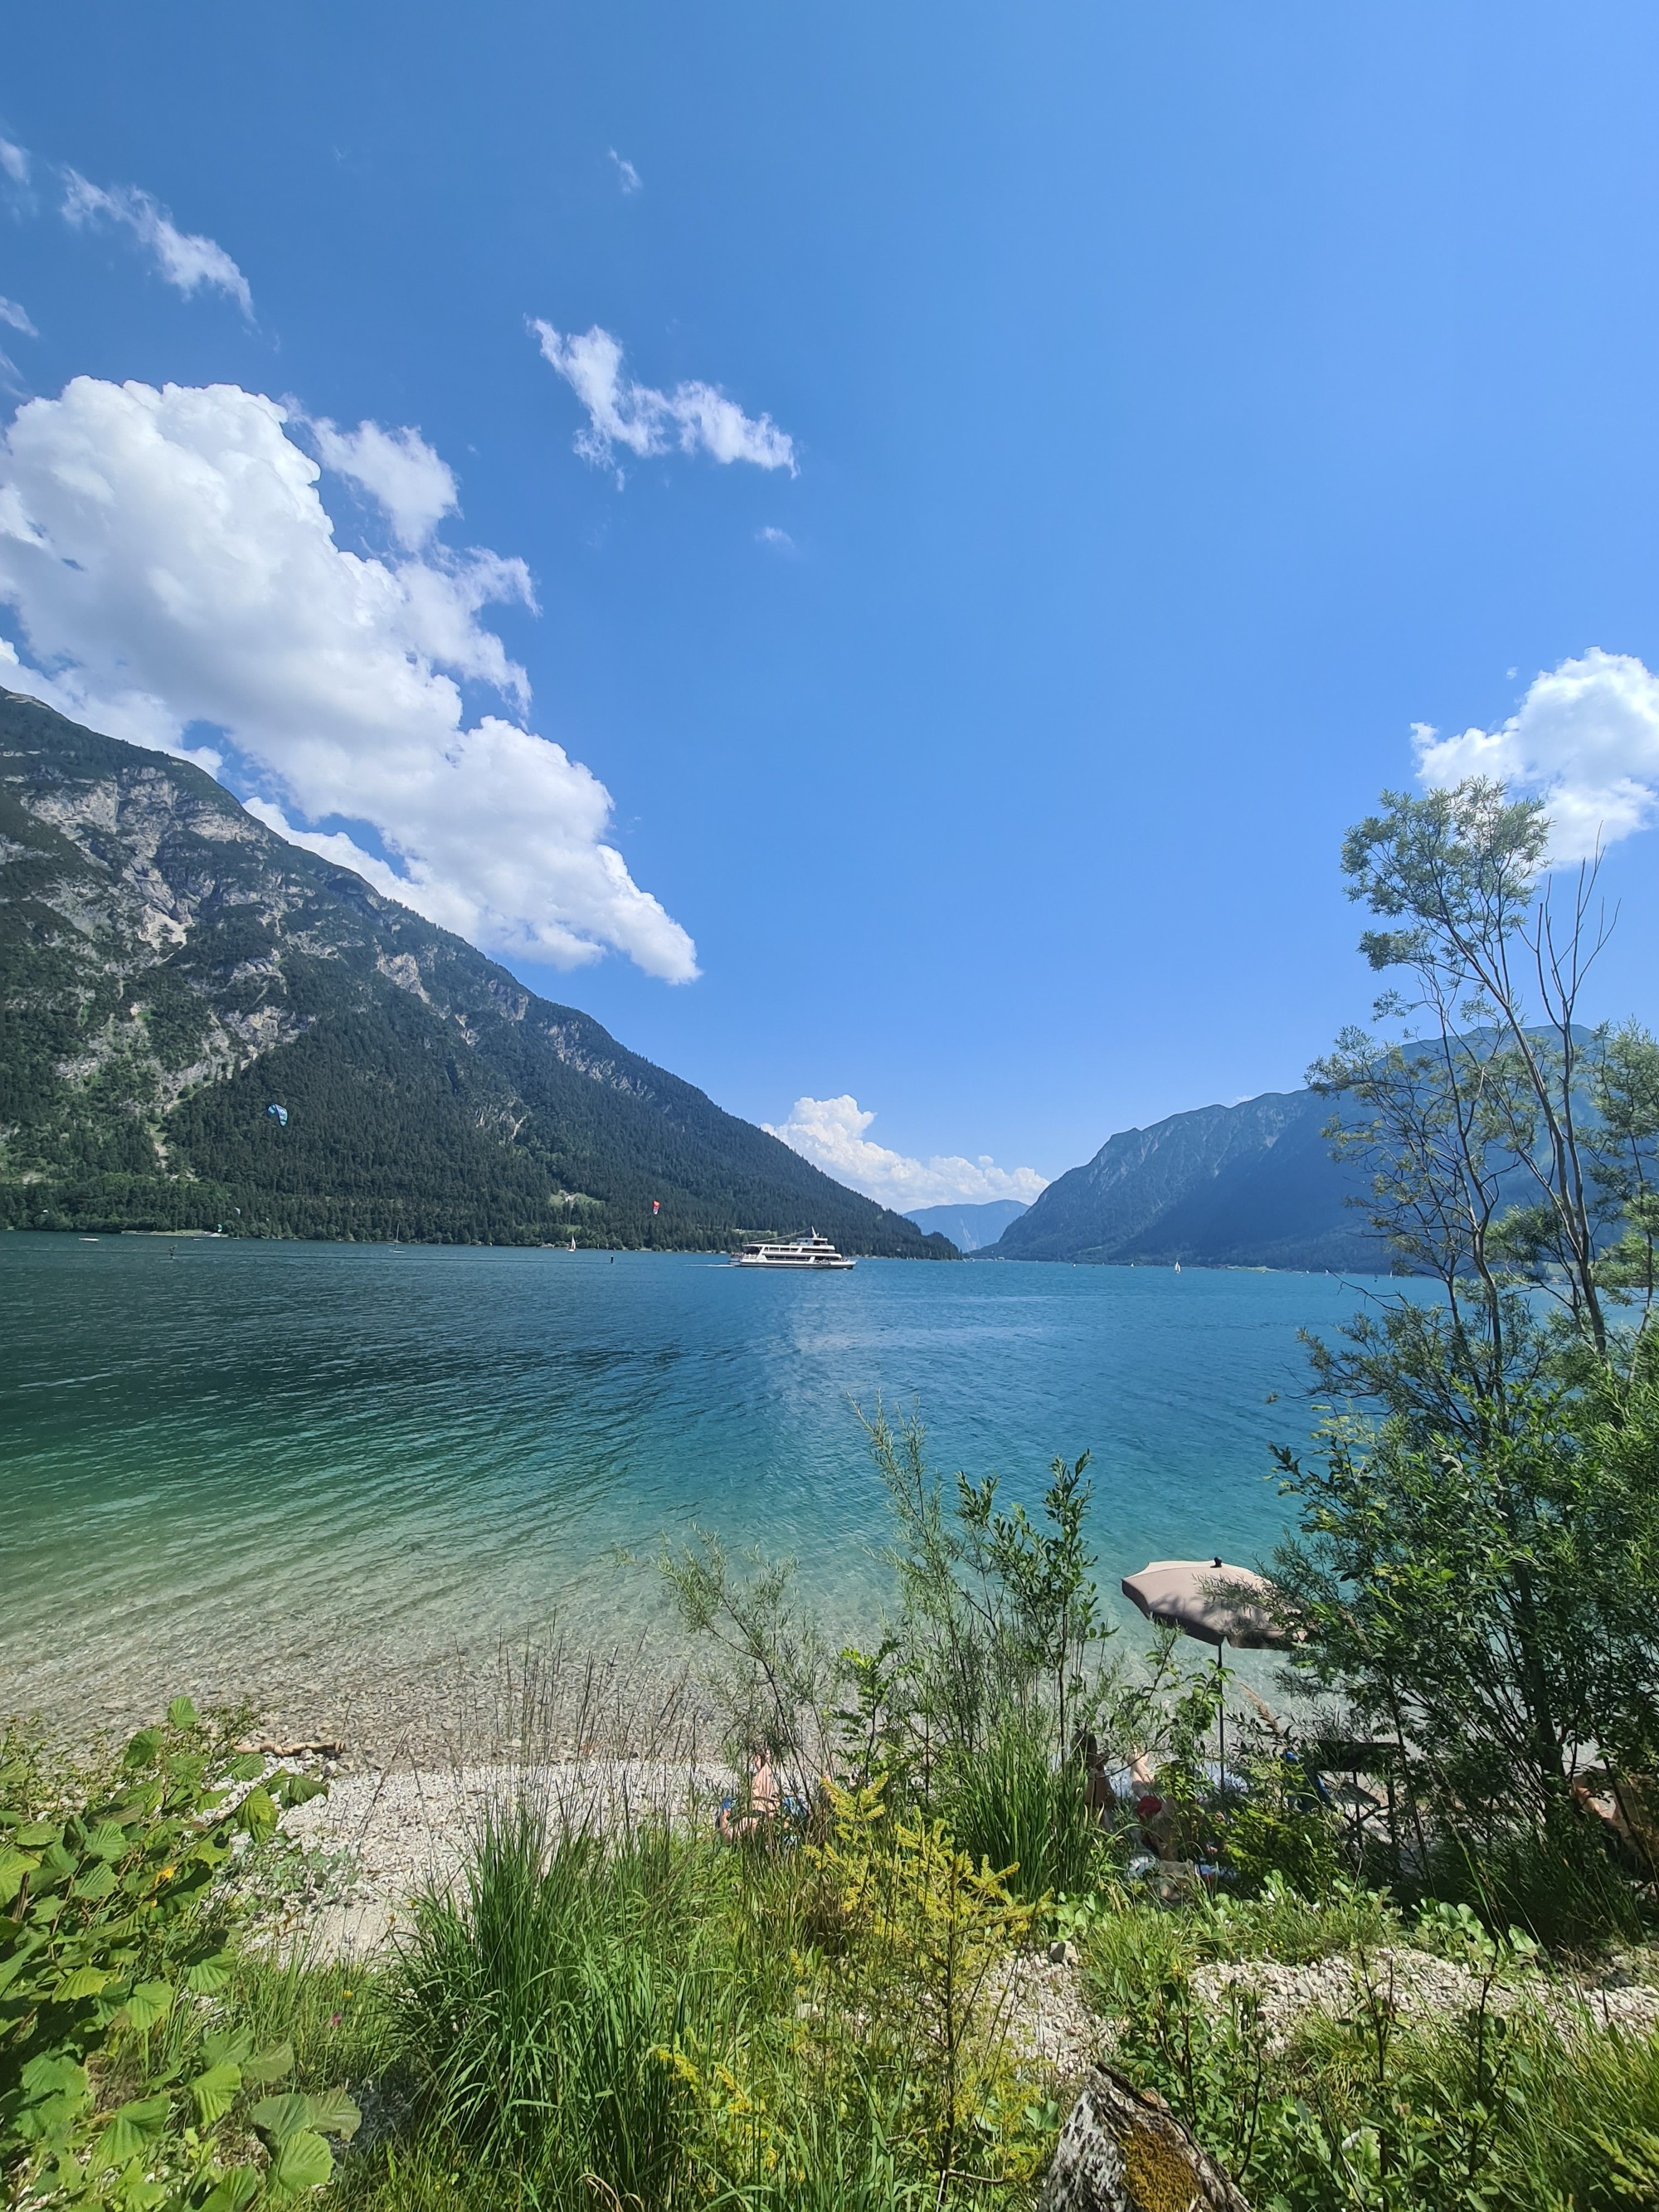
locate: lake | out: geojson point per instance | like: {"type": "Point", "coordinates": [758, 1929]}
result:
{"type": "Point", "coordinates": [234, 1463]}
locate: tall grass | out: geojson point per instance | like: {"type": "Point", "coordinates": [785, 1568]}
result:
{"type": "Point", "coordinates": [536, 2001]}
{"type": "Point", "coordinates": [1010, 1805]}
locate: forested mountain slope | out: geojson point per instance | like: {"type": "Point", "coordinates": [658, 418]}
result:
{"type": "Point", "coordinates": [170, 969]}
{"type": "Point", "coordinates": [1251, 1185]}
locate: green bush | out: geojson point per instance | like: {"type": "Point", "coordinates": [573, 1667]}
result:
{"type": "Point", "coordinates": [125, 2080]}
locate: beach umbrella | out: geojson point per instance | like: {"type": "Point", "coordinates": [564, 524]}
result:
{"type": "Point", "coordinates": [1208, 1599]}
{"type": "Point", "coordinates": [1217, 1603]}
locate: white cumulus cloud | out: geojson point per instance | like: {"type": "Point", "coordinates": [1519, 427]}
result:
{"type": "Point", "coordinates": [829, 1132]}
{"type": "Point", "coordinates": [172, 562]}
{"type": "Point", "coordinates": [186, 260]}
{"type": "Point", "coordinates": [627, 175]}
{"type": "Point", "coordinates": [1585, 740]}
{"type": "Point", "coordinates": [695, 417]}
{"type": "Point", "coordinates": [399, 470]}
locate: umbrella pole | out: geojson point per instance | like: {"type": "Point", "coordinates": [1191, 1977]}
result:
{"type": "Point", "coordinates": [1220, 1724]}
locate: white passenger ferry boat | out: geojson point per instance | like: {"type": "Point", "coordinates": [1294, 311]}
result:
{"type": "Point", "coordinates": [810, 1251]}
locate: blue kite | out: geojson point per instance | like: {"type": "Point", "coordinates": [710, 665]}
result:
{"type": "Point", "coordinates": [279, 1114]}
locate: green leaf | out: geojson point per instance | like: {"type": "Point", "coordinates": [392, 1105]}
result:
{"type": "Point", "coordinates": [209, 1976]}
{"type": "Point", "coordinates": [128, 2128]}
{"type": "Point", "coordinates": [181, 1714]}
{"type": "Point", "coordinates": [99, 1882]}
{"type": "Point", "coordinates": [149, 2004]}
{"type": "Point", "coordinates": [274, 2065]}
{"type": "Point", "coordinates": [304, 2162]}
{"type": "Point", "coordinates": [145, 1747]}
{"type": "Point", "coordinates": [233, 2191]}
{"type": "Point", "coordinates": [279, 2118]}
{"type": "Point", "coordinates": [257, 1813]}
{"type": "Point", "coordinates": [84, 1982]}
{"type": "Point", "coordinates": [333, 2113]}
{"type": "Point", "coordinates": [247, 1767]}
{"type": "Point", "coordinates": [52, 2074]}
{"type": "Point", "coordinates": [297, 1789]}
{"type": "Point", "coordinates": [14, 1865]}
{"type": "Point", "coordinates": [215, 2091]}
{"type": "Point", "coordinates": [35, 1835]}
{"type": "Point", "coordinates": [229, 2047]}
{"type": "Point", "coordinates": [106, 1841]}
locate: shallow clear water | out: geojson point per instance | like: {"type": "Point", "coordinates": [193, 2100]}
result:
{"type": "Point", "coordinates": [297, 1449]}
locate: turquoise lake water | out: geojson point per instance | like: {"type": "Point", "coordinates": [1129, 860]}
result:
{"type": "Point", "coordinates": [305, 1450]}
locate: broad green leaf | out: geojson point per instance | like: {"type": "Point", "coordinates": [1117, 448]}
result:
{"type": "Point", "coordinates": [51, 2073]}
{"type": "Point", "coordinates": [246, 1767]}
{"type": "Point", "coordinates": [98, 1882]}
{"type": "Point", "coordinates": [258, 1815]}
{"type": "Point", "coordinates": [106, 1841]}
{"type": "Point", "coordinates": [297, 1789]}
{"type": "Point", "coordinates": [230, 2047]}
{"type": "Point", "coordinates": [14, 1865]}
{"type": "Point", "coordinates": [142, 1749]}
{"type": "Point", "coordinates": [209, 1976]}
{"type": "Point", "coordinates": [35, 1835]}
{"type": "Point", "coordinates": [127, 2131]}
{"type": "Point", "coordinates": [215, 2091]}
{"type": "Point", "coordinates": [181, 1714]}
{"type": "Point", "coordinates": [233, 2191]}
{"type": "Point", "coordinates": [84, 1982]}
{"type": "Point", "coordinates": [279, 2118]}
{"type": "Point", "coordinates": [333, 2113]}
{"type": "Point", "coordinates": [149, 2004]}
{"type": "Point", "coordinates": [274, 2065]}
{"type": "Point", "coordinates": [304, 2162]}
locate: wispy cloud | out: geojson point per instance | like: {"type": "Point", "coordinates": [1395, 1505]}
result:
{"type": "Point", "coordinates": [186, 260]}
{"type": "Point", "coordinates": [627, 175]}
{"type": "Point", "coordinates": [694, 417]}
{"type": "Point", "coordinates": [779, 540]}
{"type": "Point", "coordinates": [1585, 740]}
{"type": "Point", "coordinates": [413, 485]}
{"type": "Point", "coordinates": [18, 318]}
{"type": "Point", "coordinates": [15, 160]}
{"type": "Point", "coordinates": [829, 1132]}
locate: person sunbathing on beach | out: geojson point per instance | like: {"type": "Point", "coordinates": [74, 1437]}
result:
{"type": "Point", "coordinates": [764, 1802]}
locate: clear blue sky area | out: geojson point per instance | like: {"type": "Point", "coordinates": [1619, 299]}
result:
{"type": "Point", "coordinates": [1185, 402]}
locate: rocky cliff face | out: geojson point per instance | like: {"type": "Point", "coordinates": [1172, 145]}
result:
{"type": "Point", "coordinates": [169, 967]}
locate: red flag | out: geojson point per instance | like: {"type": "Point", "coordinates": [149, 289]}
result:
{"type": "Point", "coordinates": [656, 1206]}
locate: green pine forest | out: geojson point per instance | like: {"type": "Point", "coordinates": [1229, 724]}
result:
{"type": "Point", "coordinates": [169, 970]}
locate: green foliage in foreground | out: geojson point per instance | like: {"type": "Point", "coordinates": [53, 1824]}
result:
{"type": "Point", "coordinates": [1518, 2101]}
{"type": "Point", "coordinates": [818, 2019]}
{"type": "Point", "coordinates": [125, 2078]}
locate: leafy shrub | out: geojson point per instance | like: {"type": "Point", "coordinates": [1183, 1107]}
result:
{"type": "Point", "coordinates": [122, 2081]}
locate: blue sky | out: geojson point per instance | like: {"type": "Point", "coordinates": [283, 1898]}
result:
{"type": "Point", "coordinates": [1139, 419]}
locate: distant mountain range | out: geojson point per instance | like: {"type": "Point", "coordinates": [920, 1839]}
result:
{"type": "Point", "coordinates": [969, 1227]}
{"type": "Point", "coordinates": [171, 972]}
{"type": "Point", "coordinates": [1246, 1186]}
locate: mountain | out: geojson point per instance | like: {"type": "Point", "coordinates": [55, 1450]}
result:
{"type": "Point", "coordinates": [170, 969]}
{"type": "Point", "coordinates": [967, 1227]}
{"type": "Point", "coordinates": [1246, 1186]}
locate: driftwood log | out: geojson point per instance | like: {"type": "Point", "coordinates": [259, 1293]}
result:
{"type": "Point", "coordinates": [1123, 2152]}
